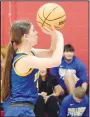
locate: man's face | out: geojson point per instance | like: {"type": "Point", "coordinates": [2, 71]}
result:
{"type": "Point", "coordinates": [68, 55]}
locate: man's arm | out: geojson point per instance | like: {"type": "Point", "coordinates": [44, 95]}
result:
{"type": "Point", "coordinates": [82, 74]}
{"type": "Point", "coordinates": [86, 113]}
{"type": "Point", "coordinates": [63, 108]}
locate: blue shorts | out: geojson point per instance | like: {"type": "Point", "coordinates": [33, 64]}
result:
{"type": "Point", "coordinates": [17, 111]}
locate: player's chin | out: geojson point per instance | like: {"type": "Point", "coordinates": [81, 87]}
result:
{"type": "Point", "coordinates": [69, 58]}
{"type": "Point", "coordinates": [36, 38]}
{"type": "Point", "coordinates": [35, 41]}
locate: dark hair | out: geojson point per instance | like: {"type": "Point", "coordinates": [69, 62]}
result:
{"type": "Point", "coordinates": [47, 75]}
{"type": "Point", "coordinates": [79, 92]}
{"type": "Point", "coordinates": [49, 78]}
{"type": "Point", "coordinates": [18, 29]}
{"type": "Point", "coordinates": [68, 48]}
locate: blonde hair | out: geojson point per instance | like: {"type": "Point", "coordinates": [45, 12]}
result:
{"type": "Point", "coordinates": [79, 92]}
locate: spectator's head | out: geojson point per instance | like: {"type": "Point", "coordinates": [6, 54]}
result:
{"type": "Point", "coordinates": [3, 55]}
{"type": "Point", "coordinates": [43, 73]}
{"type": "Point", "coordinates": [68, 52]}
{"type": "Point", "coordinates": [79, 94]}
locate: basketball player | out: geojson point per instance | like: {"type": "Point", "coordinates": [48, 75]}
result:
{"type": "Point", "coordinates": [19, 92]}
{"type": "Point", "coordinates": [76, 105]}
{"type": "Point", "coordinates": [71, 72]}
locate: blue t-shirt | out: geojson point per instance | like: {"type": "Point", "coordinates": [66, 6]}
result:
{"type": "Point", "coordinates": [76, 66]}
{"type": "Point", "coordinates": [71, 108]}
{"type": "Point", "coordinates": [23, 85]}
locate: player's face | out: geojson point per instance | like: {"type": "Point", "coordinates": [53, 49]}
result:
{"type": "Point", "coordinates": [32, 36]}
{"type": "Point", "coordinates": [43, 72]}
{"type": "Point", "coordinates": [68, 55]}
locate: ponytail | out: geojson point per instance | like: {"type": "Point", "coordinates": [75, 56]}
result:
{"type": "Point", "coordinates": [5, 92]}
{"type": "Point", "coordinates": [18, 29]}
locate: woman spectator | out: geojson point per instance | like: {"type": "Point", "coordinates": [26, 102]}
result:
{"type": "Point", "coordinates": [49, 91]}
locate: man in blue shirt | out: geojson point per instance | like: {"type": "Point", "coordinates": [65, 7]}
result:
{"type": "Point", "coordinates": [75, 105]}
{"type": "Point", "coordinates": [71, 72]}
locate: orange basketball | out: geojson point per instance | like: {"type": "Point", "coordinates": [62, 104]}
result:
{"type": "Point", "coordinates": [51, 14]}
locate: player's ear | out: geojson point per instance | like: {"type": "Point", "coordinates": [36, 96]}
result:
{"type": "Point", "coordinates": [25, 36]}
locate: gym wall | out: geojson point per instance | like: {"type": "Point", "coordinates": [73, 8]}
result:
{"type": "Point", "coordinates": [75, 30]}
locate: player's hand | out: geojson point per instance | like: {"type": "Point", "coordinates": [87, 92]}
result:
{"type": "Point", "coordinates": [53, 32]}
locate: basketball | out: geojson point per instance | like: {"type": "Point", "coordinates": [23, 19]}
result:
{"type": "Point", "coordinates": [51, 14]}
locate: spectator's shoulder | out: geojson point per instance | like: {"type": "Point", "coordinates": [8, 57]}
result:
{"type": "Point", "coordinates": [67, 99]}
{"type": "Point", "coordinates": [86, 99]}
{"type": "Point", "coordinates": [52, 77]}
{"type": "Point", "coordinates": [79, 62]}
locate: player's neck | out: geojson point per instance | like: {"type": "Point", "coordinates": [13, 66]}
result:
{"type": "Point", "coordinates": [24, 49]}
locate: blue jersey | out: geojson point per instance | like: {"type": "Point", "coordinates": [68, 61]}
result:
{"type": "Point", "coordinates": [76, 66]}
{"type": "Point", "coordinates": [71, 108]}
{"type": "Point", "coordinates": [23, 85]}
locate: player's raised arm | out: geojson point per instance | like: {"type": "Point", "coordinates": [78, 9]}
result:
{"type": "Point", "coordinates": [54, 60]}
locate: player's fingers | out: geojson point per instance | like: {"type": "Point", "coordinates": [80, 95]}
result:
{"type": "Point", "coordinates": [52, 27]}
{"type": "Point", "coordinates": [47, 29]}
{"type": "Point", "coordinates": [43, 30]}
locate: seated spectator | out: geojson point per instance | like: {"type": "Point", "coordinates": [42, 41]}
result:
{"type": "Point", "coordinates": [71, 72]}
{"type": "Point", "coordinates": [3, 55]}
{"type": "Point", "coordinates": [48, 95]}
{"type": "Point", "coordinates": [75, 105]}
